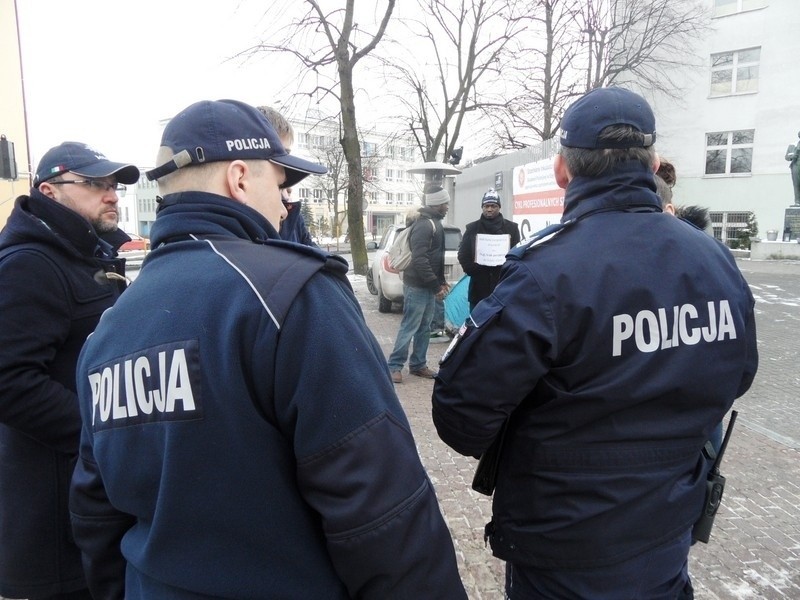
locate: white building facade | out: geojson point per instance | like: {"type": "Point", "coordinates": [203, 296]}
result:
{"type": "Point", "coordinates": [390, 191]}
{"type": "Point", "coordinates": [729, 132]}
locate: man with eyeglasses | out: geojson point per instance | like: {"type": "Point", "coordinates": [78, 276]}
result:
{"type": "Point", "coordinates": [59, 271]}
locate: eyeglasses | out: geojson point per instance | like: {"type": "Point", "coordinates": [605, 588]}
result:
{"type": "Point", "coordinates": [95, 184]}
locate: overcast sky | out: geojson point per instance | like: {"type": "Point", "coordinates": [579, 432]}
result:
{"type": "Point", "coordinates": [105, 72]}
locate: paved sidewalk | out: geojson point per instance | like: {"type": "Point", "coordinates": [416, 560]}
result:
{"type": "Point", "coordinates": [754, 551]}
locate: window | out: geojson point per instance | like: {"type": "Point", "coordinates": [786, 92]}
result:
{"type": "Point", "coordinates": [729, 7]}
{"type": "Point", "coordinates": [728, 226]}
{"type": "Point", "coordinates": [370, 149]}
{"type": "Point", "coordinates": [735, 72]}
{"type": "Point", "coordinates": [729, 152]}
{"type": "Point", "coordinates": [302, 193]}
{"type": "Point", "coordinates": [318, 195]}
{"type": "Point", "coordinates": [389, 174]}
{"type": "Point", "coordinates": [302, 140]}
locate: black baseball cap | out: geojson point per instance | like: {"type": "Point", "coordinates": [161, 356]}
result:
{"type": "Point", "coordinates": [225, 130]}
{"type": "Point", "coordinates": [602, 107]}
{"type": "Point", "coordinates": [83, 160]}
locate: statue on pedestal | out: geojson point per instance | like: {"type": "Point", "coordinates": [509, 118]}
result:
{"type": "Point", "coordinates": [793, 156]}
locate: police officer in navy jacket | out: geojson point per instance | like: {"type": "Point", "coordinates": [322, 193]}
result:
{"type": "Point", "coordinates": [609, 351]}
{"type": "Point", "coordinates": [241, 435]}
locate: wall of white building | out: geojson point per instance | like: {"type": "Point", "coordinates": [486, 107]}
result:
{"type": "Point", "coordinates": [765, 101]}
{"type": "Point", "coordinates": [763, 97]}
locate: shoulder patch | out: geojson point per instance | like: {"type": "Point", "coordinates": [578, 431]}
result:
{"type": "Point", "coordinates": [540, 237]}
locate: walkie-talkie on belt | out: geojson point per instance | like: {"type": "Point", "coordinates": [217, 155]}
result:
{"type": "Point", "coordinates": [715, 486]}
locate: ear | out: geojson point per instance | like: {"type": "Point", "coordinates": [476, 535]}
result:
{"type": "Point", "coordinates": [561, 172]}
{"type": "Point", "coordinates": [669, 208]}
{"type": "Point", "coordinates": [48, 190]}
{"type": "Point", "coordinates": [237, 180]}
{"type": "Point", "coordinates": [656, 163]}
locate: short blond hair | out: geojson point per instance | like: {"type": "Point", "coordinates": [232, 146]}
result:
{"type": "Point", "coordinates": [279, 123]}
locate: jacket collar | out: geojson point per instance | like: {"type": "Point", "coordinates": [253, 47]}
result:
{"type": "Point", "coordinates": [430, 213]}
{"type": "Point", "coordinates": [630, 186]}
{"type": "Point", "coordinates": [200, 213]}
{"type": "Point", "coordinates": [39, 218]}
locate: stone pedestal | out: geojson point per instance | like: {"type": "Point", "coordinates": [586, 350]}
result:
{"type": "Point", "coordinates": [791, 224]}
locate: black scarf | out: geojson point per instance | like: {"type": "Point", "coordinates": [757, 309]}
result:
{"type": "Point", "coordinates": [491, 226]}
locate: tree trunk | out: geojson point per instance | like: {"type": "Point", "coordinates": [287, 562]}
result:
{"type": "Point", "coordinates": [355, 183]}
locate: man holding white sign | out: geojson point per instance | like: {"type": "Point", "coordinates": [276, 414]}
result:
{"type": "Point", "coordinates": [484, 247]}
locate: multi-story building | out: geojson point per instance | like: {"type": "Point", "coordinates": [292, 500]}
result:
{"type": "Point", "coordinates": [729, 132]}
{"type": "Point", "coordinates": [390, 191]}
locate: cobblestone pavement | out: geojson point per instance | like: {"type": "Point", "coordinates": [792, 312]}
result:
{"type": "Point", "coordinates": [754, 551]}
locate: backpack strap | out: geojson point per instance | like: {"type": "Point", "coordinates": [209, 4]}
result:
{"type": "Point", "coordinates": [278, 272]}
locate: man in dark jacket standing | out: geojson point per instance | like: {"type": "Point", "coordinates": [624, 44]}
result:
{"type": "Point", "coordinates": [58, 272]}
{"type": "Point", "coordinates": [423, 284]}
{"type": "Point", "coordinates": [223, 455]}
{"type": "Point", "coordinates": [609, 369]}
{"type": "Point", "coordinates": [484, 246]}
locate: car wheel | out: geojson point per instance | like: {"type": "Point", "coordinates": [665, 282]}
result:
{"type": "Point", "coordinates": [384, 304]}
{"type": "Point", "coordinates": [371, 283]}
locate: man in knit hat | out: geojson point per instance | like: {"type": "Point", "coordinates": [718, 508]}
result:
{"type": "Point", "coordinates": [423, 284]}
{"type": "Point", "coordinates": [484, 246]}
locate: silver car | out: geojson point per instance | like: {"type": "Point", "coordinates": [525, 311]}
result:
{"type": "Point", "coordinates": [383, 282]}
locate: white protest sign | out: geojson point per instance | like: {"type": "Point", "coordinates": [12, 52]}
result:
{"type": "Point", "coordinates": [491, 250]}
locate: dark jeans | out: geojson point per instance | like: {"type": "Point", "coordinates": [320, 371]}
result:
{"type": "Point", "coordinates": [418, 308]}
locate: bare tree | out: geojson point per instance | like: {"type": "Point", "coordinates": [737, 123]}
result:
{"type": "Point", "coordinates": [545, 78]}
{"type": "Point", "coordinates": [321, 40]}
{"type": "Point", "coordinates": [578, 45]}
{"type": "Point", "coordinates": [335, 183]}
{"type": "Point", "coordinates": [467, 41]}
{"type": "Point", "coordinates": [640, 39]}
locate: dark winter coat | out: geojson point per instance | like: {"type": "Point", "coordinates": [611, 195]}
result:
{"type": "Point", "coordinates": [614, 348]}
{"type": "Point", "coordinates": [53, 289]}
{"type": "Point", "coordinates": [247, 450]}
{"type": "Point", "coordinates": [293, 227]}
{"type": "Point", "coordinates": [427, 252]}
{"type": "Point", "coordinates": [483, 279]}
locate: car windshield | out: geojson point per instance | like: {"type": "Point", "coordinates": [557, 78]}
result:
{"type": "Point", "coordinates": [385, 239]}
{"type": "Point", "coordinates": [452, 239]}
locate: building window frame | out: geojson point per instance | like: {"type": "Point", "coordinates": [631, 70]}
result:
{"type": "Point", "coordinates": [738, 70]}
{"type": "Point", "coordinates": [724, 8]}
{"type": "Point", "coordinates": [733, 149]}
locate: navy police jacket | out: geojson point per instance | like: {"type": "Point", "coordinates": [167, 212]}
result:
{"type": "Point", "coordinates": [612, 349]}
{"type": "Point", "coordinates": [54, 285]}
{"type": "Point", "coordinates": [293, 227]}
{"type": "Point", "coordinates": [239, 443]}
